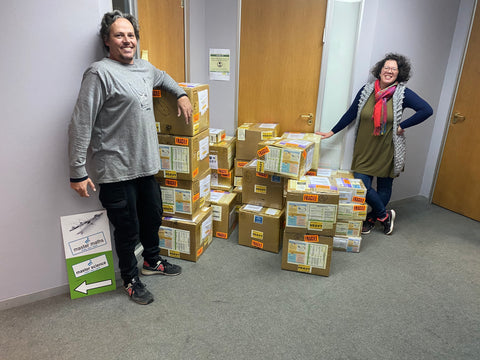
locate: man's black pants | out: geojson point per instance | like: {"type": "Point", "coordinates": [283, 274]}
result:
{"type": "Point", "coordinates": [134, 208]}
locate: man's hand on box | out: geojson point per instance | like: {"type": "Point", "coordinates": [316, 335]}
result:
{"type": "Point", "coordinates": [185, 108]}
{"type": "Point", "coordinates": [82, 187]}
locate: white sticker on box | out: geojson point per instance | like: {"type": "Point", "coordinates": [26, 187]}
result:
{"type": "Point", "coordinates": [271, 211]}
{"type": "Point", "coordinates": [215, 196]}
{"type": "Point", "coordinates": [205, 186]}
{"type": "Point", "coordinates": [206, 229]}
{"type": "Point", "coordinates": [217, 213]}
{"type": "Point", "coordinates": [204, 147]}
{"type": "Point", "coordinates": [203, 101]}
{"type": "Point", "coordinates": [214, 179]}
{"type": "Point", "coordinates": [241, 134]}
{"type": "Point", "coordinates": [180, 159]}
{"type": "Point", "coordinates": [182, 241]}
{"type": "Point", "coordinates": [250, 207]}
{"type": "Point", "coordinates": [168, 199]}
{"type": "Point", "coordinates": [213, 161]}
{"type": "Point", "coordinates": [298, 136]}
{"type": "Point", "coordinates": [267, 126]}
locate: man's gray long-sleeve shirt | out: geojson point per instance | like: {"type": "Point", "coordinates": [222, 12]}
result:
{"type": "Point", "coordinates": [114, 116]}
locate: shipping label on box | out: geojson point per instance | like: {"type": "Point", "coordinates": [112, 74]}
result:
{"type": "Point", "coordinates": [351, 190]}
{"type": "Point", "coordinates": [307, 253]}
{"type": "Point", "coordinates": [216, 135]}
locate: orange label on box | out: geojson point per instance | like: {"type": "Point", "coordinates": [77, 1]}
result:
{"type": "Point", "coordinates": [195, 172]}
{"type": "Point", "coordinates": [171, 183]}
{"type": "Point", "coordinates": [257, 244]}
{"type": "Point", "coordinates": [263, 151]}
{"type": "Point", "coordinates": [222, 171]}
{"type": "Point", "coordinates": [359, 207]}
{"type": "Point", "coordinates": [196, 117]}
{"type": "Point", "coordinates": [242, 163]}
{"type": "Point", "coordinates": [358, 199]}
{"type": "Point", "coordinates": [181, 141]}
{"type": "Point", "coordinates": [304, 154]}
{"type": "Point", "coordinates": [196, 197]}
{"type": "Point", "coordinates": [311, 173]}
{"type": "Point", "coordinates": [311, 238]}
{"type": "Point", "coordinates": [310, 198]}
{"type": "Point", "coordinates": [221, 235]}
{"type": "Point", "coordinates": [157, 93]}
{"type": "Point", "coordinates": [222, 137]}
{"type": "Point", "coordinates": [265, 176]}
{"type": "Point", "coordinates": [228, 176]}
{"type": "Point", "coordinates": [200, 251]}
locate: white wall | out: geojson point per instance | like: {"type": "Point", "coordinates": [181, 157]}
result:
{"type": "Point", "coordinates": [47, 47]}
{"type": "Point", "coordinates": [50, 43]}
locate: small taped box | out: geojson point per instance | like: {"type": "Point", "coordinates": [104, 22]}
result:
{"type": "Point", "coordinates": [216, 135]}
{"type": "Point", "coordinates": [222, 154]}
{"type": "Point", "coordinates": [186, 239]}
{"type": "Point", "coordinates": [224, 213]}
{"type": "Point", "coordinates": [351, 190]}
{"type": "Point", "coordinates": [352, 211]}
{"type": "Point", "coordinates": [307, 253]}
{"type": "Point", "coordinates": [250, 134]}
{"type": "Point", "coordinates": [349, 228]}
{"type": "Point", "coordinates": [348, 244]}
{"type": "Point", "coordinates": [288, 157]}
{"type": "Point", "coordinates": [260, 227]}
{"type": "Point", "coordinates": [315, 138]}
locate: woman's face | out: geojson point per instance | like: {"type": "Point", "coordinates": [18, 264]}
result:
{"type": "Point", "coordinates": [388, 74]}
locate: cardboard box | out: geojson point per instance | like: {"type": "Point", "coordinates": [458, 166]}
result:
{"type": "Point", "coordinates": [351, 190]}
{"type": "Point", "coordinates": [352, 211]}
{"type": "Point", "coordinates": [166, 111]}
{"type": "Point", "coordinates": [222, 154]}
{"type": "Point", "coordinates": [325, 172]}
{"type": "Point", "coordinates": [222, 177]}
{"type": "Point", "coordinates": [239, 164]}
{"type": "Point", "coordinates": [288, 158]}
{"type": "Point", "coordinates": [307, 253]}
{"type": "Point", "coordinates": [238, 191]}
{"type": "Point", "coordinates": [186, 239]}
{"type": "Point", "coordinates": [315, 138]}
{"type": "Point", "coordinates": [262, 189]}
{"type": "Point", "coordinates": [348, 244]}
{"type": "Point", "coordinates": [249, 135]}
{"type": "Point", "coordinates": [225, 188]}
{"type": "Point", "coordinates": [349, 228]}
{"type": "Point", "coordinates": [312, 206]}
{"type": "Point", "coordinates": [216, 136]}
{"type": "Point", "coordinates": [237, 181]}
{"type": "Point", "coordinates": [183, 157]}
{"type": "Point", "coordinates": [184, 198]}
{"type": "Point", "coordinates": [260, 227]}
{"type": "Point", "coordinates": [224, 215]}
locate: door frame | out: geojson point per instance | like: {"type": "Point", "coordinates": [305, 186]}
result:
{"type": "Point", "coordinates": [446, 125]}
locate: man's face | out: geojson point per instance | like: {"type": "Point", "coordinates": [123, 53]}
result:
{"type": "Point", "coordinates": [122, 41]}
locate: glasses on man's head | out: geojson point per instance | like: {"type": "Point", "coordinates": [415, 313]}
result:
{"type": "Point", "coordinates": [388, 68]}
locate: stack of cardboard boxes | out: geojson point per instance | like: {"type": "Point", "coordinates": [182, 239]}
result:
{"type": "Point", "coordinates": [184, 177]}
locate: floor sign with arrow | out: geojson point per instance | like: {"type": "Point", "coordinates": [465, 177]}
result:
{"type": "Point", "coordinates": [88, 253]}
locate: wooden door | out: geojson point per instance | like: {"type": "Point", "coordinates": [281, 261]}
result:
{"type": "Point", "coordinates": [457, 182]}
{"type": "Point", "coordinates": [162, 35]}
{"type": "Point", "coordinates": [281, 44]}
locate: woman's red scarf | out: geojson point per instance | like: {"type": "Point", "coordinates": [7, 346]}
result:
{"type": "Point", "coordinates": [380, 110]}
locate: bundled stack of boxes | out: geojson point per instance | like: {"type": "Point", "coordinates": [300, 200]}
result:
{"type": "Point", "coordinates": [270, 185]}
{"type": "Point", "coordinates": [184, 177]}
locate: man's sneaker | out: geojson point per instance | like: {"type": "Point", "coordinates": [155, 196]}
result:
{"type": "Point", "coordinates": [368, 225]}
{"type": "Point", "coordinates": [388, 222]}
{"type": "Point", "coordinates": [138, 292]}
{"type": "Point", "coordinates": [160, 266]}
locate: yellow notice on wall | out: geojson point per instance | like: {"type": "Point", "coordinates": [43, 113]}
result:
{"type": "Point", "coordinates": [219, 64]}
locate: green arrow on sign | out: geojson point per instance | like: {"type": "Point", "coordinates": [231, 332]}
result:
{"type": "Point", "coordinates": [84, 287]}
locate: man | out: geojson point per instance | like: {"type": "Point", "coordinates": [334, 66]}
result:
{"type": "Point", "coordinates": [114, 117]}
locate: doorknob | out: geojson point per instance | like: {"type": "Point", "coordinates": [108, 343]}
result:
{"type": "Point", "coordinates": [308, 118]}
{"type": "Point", "coordinates": [458, 117]}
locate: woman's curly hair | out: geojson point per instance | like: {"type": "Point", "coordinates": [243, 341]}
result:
{"type": "Point", "coordinates": [109, 18]}
{"type": "Point", "coordinates": [403, 63]}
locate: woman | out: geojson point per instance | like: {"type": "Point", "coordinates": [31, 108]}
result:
{"type": "Point", "coordinates": [380, 141]}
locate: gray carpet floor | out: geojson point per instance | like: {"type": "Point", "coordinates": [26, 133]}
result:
{"type": "Point", "coordinates": [412, 295]}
